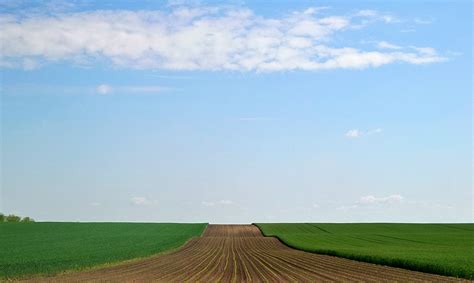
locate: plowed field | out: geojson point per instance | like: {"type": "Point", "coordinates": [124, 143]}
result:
{"type": "Point", "coordinates": [236, 253]}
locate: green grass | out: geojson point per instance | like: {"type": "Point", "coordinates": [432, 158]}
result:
{"type": "Point", "coordinates": [446, 249]}
{"type": "Point", "coordinates": [47, 248]}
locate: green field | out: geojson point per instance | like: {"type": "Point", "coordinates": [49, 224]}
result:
{"type": "Point", "coordinates": [48, 248]}
{"type": "Point", "coordinates": [446, 249]}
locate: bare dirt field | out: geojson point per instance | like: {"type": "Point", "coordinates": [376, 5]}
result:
{"type": "Point", "coordinates": [239, 253]}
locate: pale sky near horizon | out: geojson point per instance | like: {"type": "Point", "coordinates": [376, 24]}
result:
{"type": "Point", "coordinates": [237, 111]}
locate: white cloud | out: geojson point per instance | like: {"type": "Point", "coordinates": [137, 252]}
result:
{"type": "Point", "coordinates": [95, 204]}
{"type": "Point", "coordinates": [370, 199]}
{"type": "Point", "coordinates": [389, 19]}
{"type": "Point", "coordinates": [314, 10]}
{"type": "Point", "coordinates": [141, 201]}
{"type": "Point", "coordinates": [377, 16]}
{"type": "Point", "coordinates": [356, 133]}
{"type": "Point", "coordinates": [386, 45]}
{"type": "Point", "coordinates": [353, 134]}
{"type": "Point", "coordinates": [104, 89]}
{"type": "Point", "coordinates": [193, 38]}
{"type": "Point", "coordinates": [425, 50]}
{"type": "Point", "coordinates": [107, 89]}
{"type": "Point", "coordinates": [367, 13]}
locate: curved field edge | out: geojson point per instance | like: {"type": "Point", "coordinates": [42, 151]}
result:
{"type": "Point", "coordinates": [27, 262]}
{"type": "Point", "coordinates": [96, 267]}
{"type": "Point", "coordinates": [381, 260]}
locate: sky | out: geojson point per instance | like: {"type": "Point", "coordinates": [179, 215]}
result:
{"type": "Point", "coordinates": [237, 111]}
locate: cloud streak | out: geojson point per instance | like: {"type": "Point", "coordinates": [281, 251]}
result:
{"type": "Point", "coordinates": [387, 45]}
{"type": "Point", "coordinates": [142, 201]}
{"type": "Point", "coordinates": [105, 89]}
{"type": "Point", "coordinates": [373, 201]}
{"type": "Point", "coordinates": [356, 133]}
{"type": "Point", "coordinates": [215, 203]}
{"type": "Point", "coordinates": [196, 38]}
{"type": "Point", "coordinates": [353, 134]}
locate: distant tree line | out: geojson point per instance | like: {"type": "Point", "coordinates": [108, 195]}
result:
{"type": "Point", "coordinates": [14, 218]}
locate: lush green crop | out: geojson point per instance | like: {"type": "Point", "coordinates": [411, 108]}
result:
{"type": "Point", "coordinates": [446, 249]}
{"type": "Point", "coordinates": [48, 248]}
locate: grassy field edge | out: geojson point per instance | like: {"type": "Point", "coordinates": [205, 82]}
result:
{"type": "Point", "coordinates": [116, 262]}
{"type": "Point", "coordinates": [393, 262]}
{"type": "Point", "coordinates": [103, 265]}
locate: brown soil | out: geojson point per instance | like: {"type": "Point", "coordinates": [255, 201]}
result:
{"type": "Point", "coordinates": [239, 253]}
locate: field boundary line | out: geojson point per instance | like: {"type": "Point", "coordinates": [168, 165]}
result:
{"type": "Point", "coordinates": [397, 263]}
{"type": "Point", "coordinates": [103, 265]}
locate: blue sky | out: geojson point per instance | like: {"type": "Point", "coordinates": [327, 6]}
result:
{"type": "Point", "coordinates": [237, 112]}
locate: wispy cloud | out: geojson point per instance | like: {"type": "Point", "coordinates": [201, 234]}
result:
{"type": "Point", "coordinates": [424, 50]}
{"type": "Point", "coordinates": [353, 134]}
{"type": "Point", "coordinates": [387, 45]}
{"type": "Point", "coordinates": [373, 15]}
{"type": "Point", "coordinates": [108, 89]}
{"type": "Point", "coordinates": [422, 21]}
{"type": "Point", "coordinates": [215, 203]}
{"type": "Point", "coordinates": [103, 89]}
{"type": "Point", "coordinates": [356, 133]}
{"type": "Point", "coordinates": [142, 201]}
{"type": "Point", "coordinates": [371, 200]}
{"type": "Point", "coordinates": [100, 89]}
{"type": "Point", "coordinates": [196, 38]}
{"type": "Point", "coordinates": [367, 13]}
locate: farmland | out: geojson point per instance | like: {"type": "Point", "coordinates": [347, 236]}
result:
{"type": "Point", "coordinates": [48, 248]}
{"type": "Point", "coordinates": [240, 253]}
{"type": "Point", "coordinates": [446, 249]}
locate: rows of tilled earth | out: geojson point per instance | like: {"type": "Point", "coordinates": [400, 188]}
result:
{"type": "Point", "coordinates": [240, 253]}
